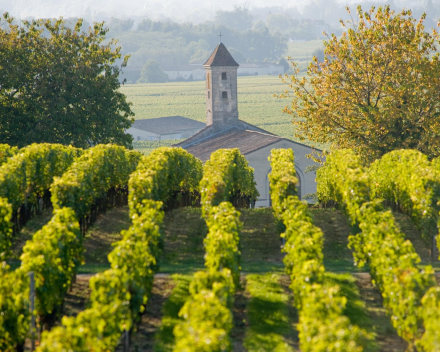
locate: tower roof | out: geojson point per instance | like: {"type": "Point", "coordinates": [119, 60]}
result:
{"type": "Point", "coordinates": [221, 57]}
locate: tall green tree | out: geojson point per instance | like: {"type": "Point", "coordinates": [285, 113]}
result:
{"type": "Point", "coordinates": [378, 88]}
{"type": "Point", "coordinates": [60, 85]}
{"type": "Point", "coordinates": [152, 73]}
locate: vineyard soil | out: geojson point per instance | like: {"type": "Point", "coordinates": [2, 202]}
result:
{"type": "Point", "coordinates": [28, 231]}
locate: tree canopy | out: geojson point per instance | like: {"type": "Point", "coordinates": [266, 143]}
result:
{"type": "Point", "coordinates": [240, 18]}
{"type": "Point", "coordinates": [60, 85]}
{"type": "Point", "coordinates": [152, 73]}
{"type": "Point", "coordinates": [378, 88]}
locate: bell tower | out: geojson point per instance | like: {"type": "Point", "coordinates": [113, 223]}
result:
{"type": "Point", "coordinates": [221, 88]}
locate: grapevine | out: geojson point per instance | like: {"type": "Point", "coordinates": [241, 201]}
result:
{"type": "Point", "coordinates": [227, 177]}
{"type": "Point", "coordinates": [320, 303]}
{"type": "Point", "coordinates": [207, 316]}
{"type": "Point", "coordinates": [162, 174]}
{"type": "Point", "coordinates": [379, 242]}
{"type": "Point", "coordinates": [6, 151]}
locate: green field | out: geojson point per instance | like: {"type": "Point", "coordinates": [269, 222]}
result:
{"type": "Point", "coordinates": [256, 103]}
{"type": "Point", "coordinates": [303, 50]}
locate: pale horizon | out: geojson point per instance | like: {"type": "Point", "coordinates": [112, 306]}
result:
{"type": "Point", "coordinates": [196, 11]}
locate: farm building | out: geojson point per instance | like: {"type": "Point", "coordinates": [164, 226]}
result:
{"type": "Point", "coordinates": [224, 129]}
{"type": "Point", "coordinates": [186, 72]}
{"type": "Point", "coordinates": [162, 128]}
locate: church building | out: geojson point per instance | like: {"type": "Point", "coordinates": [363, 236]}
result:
{"type": "Point", "coordinates": [225, 130]}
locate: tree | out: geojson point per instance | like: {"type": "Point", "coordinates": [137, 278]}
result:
{"type": "Point", "coordinates": [240, 18]}
{"type": "Point", "coordinates": [236, 54]}
{"type": "Point", "coordinates": [152, 73]}
{"type": "Point", "coordinates": [117, 26]}
{"type": "Point", "coordinates": [378, 88]}
{"type": "Point", "coordinates": [60, 85]}
{"type": "Point", "coordinates": [281, 23]}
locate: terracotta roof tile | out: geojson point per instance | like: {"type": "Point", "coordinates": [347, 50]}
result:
{"type": "Point", "coordinates": [221, 57]}
{"type": "Point", "coordinates": [245, 140]}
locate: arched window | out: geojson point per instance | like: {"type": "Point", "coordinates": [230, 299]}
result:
{"type": "Point", "coordinates": [224, 76]}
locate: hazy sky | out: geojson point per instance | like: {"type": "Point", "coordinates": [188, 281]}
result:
{"type": "Point", "coordinates": [188, 10]}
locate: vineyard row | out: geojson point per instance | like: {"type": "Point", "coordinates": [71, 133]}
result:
{"type": "Point", "coordinates": [410, 294]}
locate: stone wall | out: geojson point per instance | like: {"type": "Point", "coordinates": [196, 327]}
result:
{"type": "Point", "coordinates": [220, 110]}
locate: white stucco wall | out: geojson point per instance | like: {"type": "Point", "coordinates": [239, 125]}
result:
{"type": "Point", "coordinates": [259, 161]}
{"type": "Point", "coordinates": [198, 74]}
{"type": "Point", "coordinates": [140, 135]}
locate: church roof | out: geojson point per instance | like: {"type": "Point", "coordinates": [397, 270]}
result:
{"type": "Point", "coordinates": [221, 57]}
{"type": "Point", "coordinates": [167, 125]}
{"type": "Point", "coordinates": [246, 140]}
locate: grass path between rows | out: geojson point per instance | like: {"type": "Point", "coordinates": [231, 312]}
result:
{"type": "Point", "coordinates": [263, 318]}
{"type": "Point", "coordinates": [270, 328]}
{"type": "Point", "coordinates": [164, 337]}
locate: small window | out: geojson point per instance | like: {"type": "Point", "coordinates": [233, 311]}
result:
{"type": "Point", "coordinates": [224, 95]}
{"type": "Point", "coordinates": [224, 78]}
{"type": "Point", "coordinates": [209, 94]}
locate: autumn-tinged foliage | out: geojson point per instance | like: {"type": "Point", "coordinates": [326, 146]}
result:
{"type": "Point", "coordinates": [60, 85]}
{"type": "Point", "coordinates": [376, 90]}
